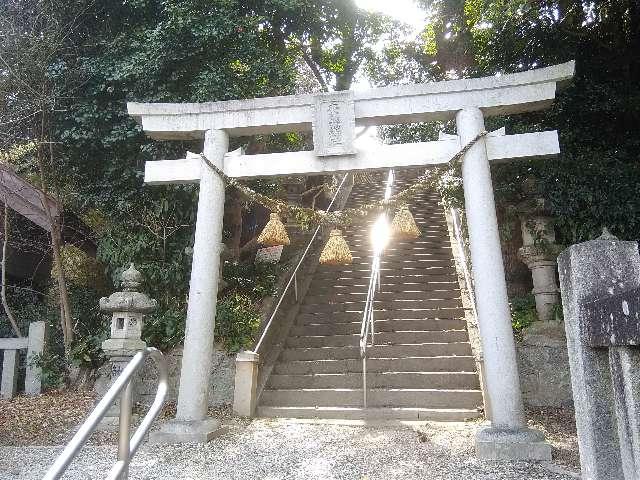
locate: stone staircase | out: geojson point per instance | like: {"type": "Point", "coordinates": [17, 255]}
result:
{"type": "Point", "coordinates": [421, 367]}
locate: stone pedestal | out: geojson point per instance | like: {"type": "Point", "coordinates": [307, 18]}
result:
{"type": "Point", "coordinates": [600, 283]}
{"type": "Point", "coordinates": [9, 383]}
{"type": "Point", "coordinates": [544, 366]}
{"type": "Point", "coordinates": [246, 383]}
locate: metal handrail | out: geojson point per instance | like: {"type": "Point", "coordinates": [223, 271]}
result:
{"type": "Point", "coordinates": [293, 280]}
{"type": "Point", "coordinates": [127, 446]}
{"type": "Point", "coordinates": [367, 330]}
{"type": "Point", "coordinates": [457, 230]}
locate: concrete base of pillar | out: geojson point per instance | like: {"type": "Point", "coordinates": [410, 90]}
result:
{"type": "Point", "coordinates": [524, 444]}
{"type": "Point", "coordinates": [180, 431]}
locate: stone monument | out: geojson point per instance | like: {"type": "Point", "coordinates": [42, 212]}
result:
{"type": "Point", "coordinates": [128, 308]}
{"type": "Point", "coordinates": [539, 252]}
{"type": "Point", "coordinates": [542, 353]}
{"type": "Point", "coordinates": [600, 284]}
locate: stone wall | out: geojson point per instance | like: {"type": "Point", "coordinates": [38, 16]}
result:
{"type": "Point", "coordinates": [544, 370]}
{"type": "Point", "coordinates": [220, 380]}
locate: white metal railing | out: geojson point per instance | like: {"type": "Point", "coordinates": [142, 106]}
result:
{"type": "Point", "coordinates": [380, 234]}
{"type": "Point", "coordinates": [293, 280]}
{"type": "Point", "coordinates": [127, 446]}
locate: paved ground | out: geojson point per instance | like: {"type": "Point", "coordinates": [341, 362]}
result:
{"type": "Point", "coordinates": [285, 450]}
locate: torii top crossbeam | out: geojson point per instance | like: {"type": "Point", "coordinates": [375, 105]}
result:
{"type": "Point", "coordinates": [508, 94]}
{"type": "Point", "coordinates": [333, 117]}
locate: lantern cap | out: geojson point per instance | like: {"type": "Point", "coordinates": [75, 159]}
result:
{"type": "Point", "coordinates": [131, 279]}
{"type": "Point", "coordinates": [129, 299]}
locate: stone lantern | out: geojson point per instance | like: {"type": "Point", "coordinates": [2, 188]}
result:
{"type": "Point", "coordinates": [539, 252]}
{"type": "Point", "coordinates": [542, 354]}
{"type": "Point", "coordinates": [128, 308]}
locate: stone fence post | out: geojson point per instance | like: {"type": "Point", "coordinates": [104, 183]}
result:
{"type": "Point", "coordinates": [600, 285]}
{"type": "Point", "coordinates": [34, 344]}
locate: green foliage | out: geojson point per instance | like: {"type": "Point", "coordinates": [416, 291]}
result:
{"type": "Point", "coordinates": [237, 322]}
{"type": "Point", "coordinates": [90, 325]}
{"type": "Point", "coordinates": [254, 280]}
{"type": "Point", "coordinates": [523, 312]}
{"type": "Point", "coordinates": [238, 312]}
{"type": "Point", "coordinates": [52, 367]}
{"type": "Point", "coordinates": [595, 182]}
{"type": "Point", "coordinates": [164, 328]}
{"type": "Point", "coordinates": [109, 53]}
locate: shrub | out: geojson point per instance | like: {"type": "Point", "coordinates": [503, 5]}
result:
{"type": "Point", "coordinates": [523, 313]}
{"type": "Point", "coordinates": [237, 322]}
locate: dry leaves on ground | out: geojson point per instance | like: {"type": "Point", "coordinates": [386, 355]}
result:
{"type": "Point", "coordinates": [559, 426]}
{"type": "Point", "coordinates": [43, 419]}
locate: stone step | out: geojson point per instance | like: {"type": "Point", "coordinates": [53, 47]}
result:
{"type": "Point", "coordinates": [426, 226]}
{"type": "Point", "coordinates": [377, 351]}
{"type": "Point", "coordinates": [432, 234]}
{"type": "Point", "coordinates": [388, 305]}
{"type": "Point", "coordinates": [356, 316]}
{"type": "Point", "coordinates": [444, 380]}
{"type": "Point", "coordinates": [370, 414]}
{"type": "Point", "coordinates": [403, 295]}
{"type": "Point", "coordinates": [366, 256]}
{"type": "Point", "coordinates": [376, 397]}
{"type": "Point", "coordinates": [411, 263]}
{"type": "Point", "coordinates": [405, 364]}
{"type": "Point", "coordinates": [389, 283]}
{"type": "Point", "coordinates": [403, 260]}
{"type": "Point", "coordinates": [416, 268]}
{"type": "Point", "coordinates": [417, 274]}
{"type": "Point", "coordinates": [381, 338]}
{"type": "Point", "coordinates": [395, 326]}
{"type": "Point", "coordinates": [361, 287]}
{"type": "Point", "coordinates": [406, 255]}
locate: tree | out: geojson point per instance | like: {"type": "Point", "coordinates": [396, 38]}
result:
{"type": "Point", "coordinates": [594, 182]}
{"type": "Point", "coordinates": [37, 61]}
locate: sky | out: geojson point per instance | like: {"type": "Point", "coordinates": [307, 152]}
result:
{"type": "Point", "coordinates": [404, 10]}
{"type": "Point", "coordinates": [407, 11]}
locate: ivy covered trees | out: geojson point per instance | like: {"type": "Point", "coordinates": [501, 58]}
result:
{"type": "Point", "coordinates": [594, 182]}
{"type": "Point", "coordinates": [67, 70]}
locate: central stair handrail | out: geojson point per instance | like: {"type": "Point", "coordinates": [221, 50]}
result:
{"type": "Point", "coordinates": [367, 330]}
{"type": "Point", "coordinates": [127, 446]}
{"type": "Point", "coordinates": [293, 280]}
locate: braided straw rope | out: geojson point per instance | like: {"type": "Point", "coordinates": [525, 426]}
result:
{"type": "Point", "coordinates": [343, 217]}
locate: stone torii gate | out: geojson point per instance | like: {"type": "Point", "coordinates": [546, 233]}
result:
{"type": "Point", "coordinates": [333, 118]}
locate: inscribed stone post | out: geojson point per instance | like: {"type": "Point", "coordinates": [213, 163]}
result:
{"type": "Point", "coordinates": [591, 271]}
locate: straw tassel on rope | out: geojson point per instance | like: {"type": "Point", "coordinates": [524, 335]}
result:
{"type": "Point", "coordinates": [404, 225]}
{"type": "Point", "coordinates": [336, 251]}
{"type": "Point", "coordinates": [274, 232]}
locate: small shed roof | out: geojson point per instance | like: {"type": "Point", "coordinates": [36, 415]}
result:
{"type": "Point", "coordinates": [26, 199]}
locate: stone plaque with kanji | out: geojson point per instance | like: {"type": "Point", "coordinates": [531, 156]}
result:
{"type": "Point", "coordinates": [334, 124]}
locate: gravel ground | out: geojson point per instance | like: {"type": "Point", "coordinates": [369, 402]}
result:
{"type": "Point", "coordinates": [280, 449]}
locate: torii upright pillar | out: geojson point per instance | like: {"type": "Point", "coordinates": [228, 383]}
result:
{"type": "Point", "coordinates": [508, 436]}
{"type": "Point", "coordinates": [191, 424]}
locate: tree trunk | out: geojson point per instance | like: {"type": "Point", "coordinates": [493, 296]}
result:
{"type": "Point", "coordinates": [66, 319]}
{"type": "Point", "coordinates": [3, 292]}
